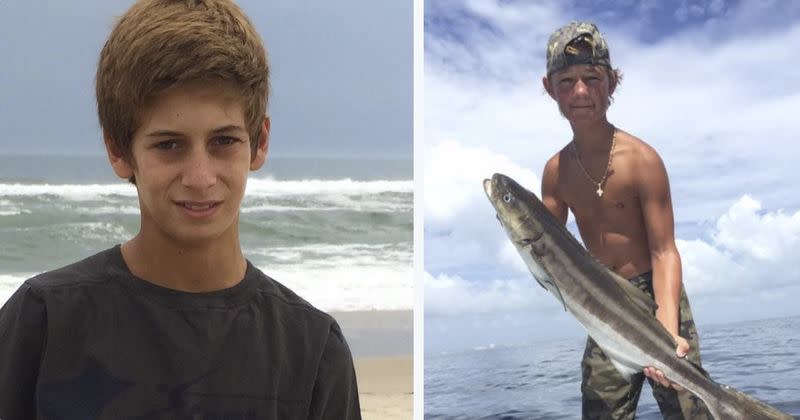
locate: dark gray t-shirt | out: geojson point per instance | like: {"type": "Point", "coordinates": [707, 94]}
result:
{"type": "Point", "coordinates": [91, 340]}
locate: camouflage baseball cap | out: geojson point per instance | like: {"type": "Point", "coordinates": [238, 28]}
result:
{"type": "Point", "coordinates": [576, 43]}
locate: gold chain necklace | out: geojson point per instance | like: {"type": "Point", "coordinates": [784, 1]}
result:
{"type": "Point", "coordinates": [608, 167]}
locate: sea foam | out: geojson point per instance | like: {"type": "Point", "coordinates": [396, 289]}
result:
{"type": "Point", "coordinates": [256, 187]}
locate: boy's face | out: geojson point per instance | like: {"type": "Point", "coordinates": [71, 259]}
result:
{"type": "Point", "coordinates": [191, 156]}
{"type": "Point", "coordinates": [582, 92]}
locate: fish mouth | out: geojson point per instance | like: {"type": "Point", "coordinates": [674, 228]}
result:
{"type": "Point", "coordinates": [490, 184]}
{"type": "Point", "coordinates": [487, 187]}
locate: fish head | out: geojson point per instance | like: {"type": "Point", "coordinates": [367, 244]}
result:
{"type": "Point", "coordinates": [516, 209]}
{"type": "Point", "coordinates": [522, 216]}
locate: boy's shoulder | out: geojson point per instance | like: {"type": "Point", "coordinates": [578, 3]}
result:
{"type": "Point", "coordinates": [281, 296]}
{"type": "Point", "coordinates": [635, 153]}
{"type": "Point", "coordinates": [106, 271]}
{"type": "Point", "coordinates": [90, 270]}
{"type": "Point", "coordinates": [554, 162]}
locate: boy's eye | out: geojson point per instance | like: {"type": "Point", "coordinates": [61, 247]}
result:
{"type": "Point", "coordinates": [166, 145]}
{"type": "Point", "coordinates": [225, 141]}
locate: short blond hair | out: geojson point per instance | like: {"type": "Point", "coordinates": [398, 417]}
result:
{"type": "Point", "coordinates": [157, 44]}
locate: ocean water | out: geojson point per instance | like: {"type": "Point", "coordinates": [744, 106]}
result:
{"type": "Point", "coordinates": [542, 381]}
{"type": "Point", "coordinates": [336, 231]}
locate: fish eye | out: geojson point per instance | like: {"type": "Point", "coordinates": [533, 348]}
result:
{"type": "Point", "coordinates": [508, 197]}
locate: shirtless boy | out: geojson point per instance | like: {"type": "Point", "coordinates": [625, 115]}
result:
{"type": "Point", "coordinates": [617, 188]}
{"type": "Point", "coordinates": [175, 323]}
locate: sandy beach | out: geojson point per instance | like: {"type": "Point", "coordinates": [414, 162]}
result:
{"type": "Point", "coordinates": [381, 343]}
{"type": "Point", "coordinates": [385, 387]}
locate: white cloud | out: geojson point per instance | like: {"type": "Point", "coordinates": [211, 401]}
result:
{"type": "Point", "coordinates": [750, 250]}
{"type": "Point", "coordinates": [452, 294]}
{"type": "Point", "coordinates": [454, 177]}
{"type": "Point", "coordinates": [769, 237]}
{"type": "Point", "coordinates": [460, 224]}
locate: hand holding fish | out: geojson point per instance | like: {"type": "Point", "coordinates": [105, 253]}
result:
{"type": "Point", "coordinates": [681, 351]}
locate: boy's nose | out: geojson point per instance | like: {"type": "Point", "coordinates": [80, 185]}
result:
{"type": "Point", "coordinates": [199, 171]}
{"type": "Point", "coordinates": [580, 87]}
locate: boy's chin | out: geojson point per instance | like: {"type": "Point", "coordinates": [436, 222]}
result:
{"type": "Point", "coordinates": [581, 118]}
{"type": "Point", "coordinates": [188, 236]}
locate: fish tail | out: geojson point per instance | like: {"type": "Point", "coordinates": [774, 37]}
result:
{"type": "Point", "coordinates": [735, 404]}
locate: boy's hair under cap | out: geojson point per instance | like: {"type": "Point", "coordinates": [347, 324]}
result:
{"type": "Point", "coordinates": [576, 43]}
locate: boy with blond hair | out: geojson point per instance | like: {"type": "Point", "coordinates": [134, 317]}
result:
{"type": "Point", "coordinates": [176, 323]}
{"type": "Point", "coordinates": [617, 188]}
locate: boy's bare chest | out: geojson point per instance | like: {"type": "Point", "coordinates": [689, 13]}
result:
{"type": "Point", "coordinates": [613, 206]}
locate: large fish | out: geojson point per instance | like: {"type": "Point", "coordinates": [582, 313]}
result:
{"type": "Point", "coordinates": [616, 314]}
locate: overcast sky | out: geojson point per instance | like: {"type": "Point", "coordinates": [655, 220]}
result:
{"type": "Point", "coordinates": [341, 75]}
{"type": "Point", "coordinates": [712, 85]}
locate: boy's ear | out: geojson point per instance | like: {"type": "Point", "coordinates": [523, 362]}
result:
{"type": "Point", "coordinates": [546, 85]}
{"type": "Point", "coordinates": [121, 167]}
{"type": "Point", "coordinates": [257, 161]}
{"type": "Point", "coordinates": [612, 83]}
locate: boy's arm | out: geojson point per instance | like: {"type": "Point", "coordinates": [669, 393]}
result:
{"type": "Point", "coordinates": [664, 257]}
{"type": "Point", "coordinates": [550, 197]}
{"type": "Point", "coordinates": [659, 227]}
{"type": "Point", "coordinates": [23, 323]}
{"type": "Point", "coordinates": [335, 393]}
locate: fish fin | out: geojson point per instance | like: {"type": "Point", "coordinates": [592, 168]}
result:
{"type": "Point", "coordinates": [626, 371]}
{"type": "Point", "coordinates": [557, 292]}
{"type": "Point", "coordinates": [555, 286]}
{"type": "Point", "coordinates": [560, 297]}
{"type": "Point", "coordinates": [541, 277]}
{"type": "Point", "coordinates": [637, 296]}
{"type": "Point", "coordinates": [540, 282]}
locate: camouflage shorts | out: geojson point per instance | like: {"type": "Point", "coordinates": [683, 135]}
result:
{"type": "Point", "coordinates": [607, 395]}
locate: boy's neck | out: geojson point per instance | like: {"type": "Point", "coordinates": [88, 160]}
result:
{"type": "Point", "coordinates": [593, 137]}
{"type": "Point", "coordinates": [206, 268]}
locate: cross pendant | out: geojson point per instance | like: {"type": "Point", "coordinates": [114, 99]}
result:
{"type": "Point", "coordinates": [599, 191]}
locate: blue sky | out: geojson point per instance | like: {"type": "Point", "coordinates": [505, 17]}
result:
{"type": "Point", "coordinates": [712, 85]}
{"type": "Point", "coordinates": [341, 75]}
